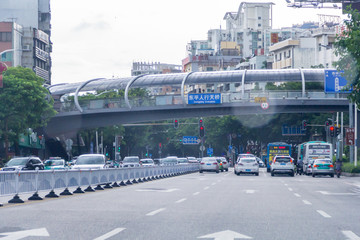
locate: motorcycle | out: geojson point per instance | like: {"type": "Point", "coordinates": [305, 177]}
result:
{"type": "Point", "coordinates": [338, 172]}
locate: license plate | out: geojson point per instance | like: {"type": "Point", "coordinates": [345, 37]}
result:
{"type": "Point", "coordinates": [209, 164]}
{"type": "Point", "coordinates": [248, 170]}
{"type": "Point", "coordinates": [282, 163]}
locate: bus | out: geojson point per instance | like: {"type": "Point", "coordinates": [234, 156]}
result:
{"type": "Point", "coordinates": [309, 151]}
{"type": "Point", "coordinates": [276, 148]}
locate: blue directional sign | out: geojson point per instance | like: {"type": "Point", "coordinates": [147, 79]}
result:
{"type": "Point", "coordinates": [204, 98]}
{"type": "Point", "coordinates": [334, 82]}
{"type": "Point", "coordinates": [292, 130]}
{"type": "Point", "coordinates": [190, 140]}
{"type": "Point", "coordinates": [210, 151]}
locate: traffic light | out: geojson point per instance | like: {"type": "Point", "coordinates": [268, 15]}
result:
{"type": "Point", "coordinates": [332, 131]}
{"type": "Point", "coordinates": [160, 145]}
{"type": "Point", "coordinates": [202, 131]}
{"type": "Point", "coordinates": [327, 123]}
{"type": "Point", "coordinates": [304, 124]}
{"type": "Point", "coordinates": [176, 123]}
{"type": "Point", "coordinates": [200, 122]}
{"type": "Point", "coordinates": [337, 130]}
{"type": "Point", "coordinates": [119, 148]}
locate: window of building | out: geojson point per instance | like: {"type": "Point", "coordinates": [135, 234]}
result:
{"type": "Point", "coordinates": [5, 37]}
{"type": "Point", "coordinates": [289, 55]}
{"type": "Point", "coordinates": [259, 18]}
{"type": "Point", "coordinates": [279, 56]}
{"type": "Point", "coordinates": [6, 57]}
{"type": "Point", "coordinates": [259, 25]}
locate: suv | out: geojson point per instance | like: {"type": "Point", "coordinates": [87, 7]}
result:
{"type": "Point", "coordinates": [131, 161]}
{"type": "Point", "coordinates": [23, 163]}
{"type": "Point", "coordinates": [282, 164]}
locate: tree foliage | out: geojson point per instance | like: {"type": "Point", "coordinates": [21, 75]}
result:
{"type": "Point", "coordinates": [25, 103]}
{"type": "Point", "coordinates": [348, 51]}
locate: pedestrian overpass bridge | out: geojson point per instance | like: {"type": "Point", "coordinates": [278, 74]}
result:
{"type": "Point", "coordinates": [147, 98]}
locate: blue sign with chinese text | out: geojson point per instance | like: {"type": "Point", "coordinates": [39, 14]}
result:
{"type": "Point", "coordinates": [204, 98]}
{"type": "Point", "coordinates": [190, 140]}
{"type": "Point", "coordinates": [334, 82]}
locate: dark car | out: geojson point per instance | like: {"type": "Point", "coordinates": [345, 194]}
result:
{"type": "Point", "coordinates": [23, 163]}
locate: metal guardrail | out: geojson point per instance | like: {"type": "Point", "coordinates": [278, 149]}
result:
{"type": "Point", "coordinates": [18, 182]}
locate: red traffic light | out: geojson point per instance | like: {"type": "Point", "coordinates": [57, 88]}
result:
{"type": "Point", "coordinates": [202, 131]}
{"type": "Point", "coordinates": [332, 128]}
{"type": "Point", "coordinates": [176, 123]}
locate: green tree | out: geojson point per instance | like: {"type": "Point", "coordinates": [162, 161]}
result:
{"type": "Point", "coordinates": [348, 51]}
{"type": "Point", "coordinates": [25, 103]}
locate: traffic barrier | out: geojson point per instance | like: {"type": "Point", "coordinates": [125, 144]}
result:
{"type": "Point", "coordinates": [18, 182]}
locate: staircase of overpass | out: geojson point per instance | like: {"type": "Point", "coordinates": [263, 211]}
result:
{"type": "Point", "coordinates": [194, 94]}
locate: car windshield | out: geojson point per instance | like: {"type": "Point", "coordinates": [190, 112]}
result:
{"type": "Point", "coordinates": [147, 161]}
{"type": "Point", "coordinates": [182, 160]}
{"type": "Point", "coordinates": [54, 162]}
{"type": "Point", "coordinates": [84, 160]}
{"type": "Point", "coordinates": [247, 160]}
{"type": "Point", "coordinates": [283, 159]}
{"type": "Point", "coordinates": [131, 160]}
{"type": "Point", "coordinates": [17, 162]}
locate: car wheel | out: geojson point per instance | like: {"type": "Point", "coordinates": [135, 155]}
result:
{"type": "Point", "coordinates": [257, 174]}
{"type": "Point", "coordinates": [331, 175]}
{"type": "Point", "coordinates": [227, 169]}
{"type": "Point", "coordinates": [217, 171]}
{"type": "Point", "coordinates": [238, 173]}
{"type": "Point", "coordinates": [200, 171]}
{"type": "Point", "coordinates": [222, 170]}
{"type": "Point", "coordinates": [37, 168]}
{"type": "Point", "coordinates": [313, 175]}
{"type": "Point", "coordinates": [292, 174]}
{"type": "Point", "coordinates": [272, 173]}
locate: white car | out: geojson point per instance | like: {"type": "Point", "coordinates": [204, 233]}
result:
{"type": "Point", "coordinates": [131, 161]}
{"type": "Point", "coordinates": [282, 164]}
{"type": "Point", "coordinates": [246, 165]}
{"type": "Point", "coordinates": [182, 161]}
{"type": "Point", "coordinates": [209, 164]}
{"type": "Point", "coordinates": [147, 162]}
{"type": "Point", "coordinates": [90, 161]}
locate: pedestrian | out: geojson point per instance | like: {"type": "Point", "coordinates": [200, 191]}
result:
{"type": "Point", "coordinates": [338, 165]}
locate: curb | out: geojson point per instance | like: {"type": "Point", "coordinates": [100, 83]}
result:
{"type": "Point", "coordinates": [350, 174]}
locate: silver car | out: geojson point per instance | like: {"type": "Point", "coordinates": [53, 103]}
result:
{"type": "Point", "coordinates": [209, 164]}
{"type": "Point", "coordinates": [147, 162]}
{"type": "Point", "coordinates": [282, 164]}
{"type": "Point", "coordinates": [131, 161]}
{"type": "Point", "coordinates": [247, 165]}
{"type": "Point", "coordinates": [323, 167]}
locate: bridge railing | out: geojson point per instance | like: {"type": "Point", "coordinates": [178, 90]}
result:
{"type": "Point", "coordinates": [18, 182]}
{"type": "Point", "coordinates": [163, 100]}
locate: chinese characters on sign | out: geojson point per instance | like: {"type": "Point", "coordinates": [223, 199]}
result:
{"type": "Point", "coordinates": [204, 98]}
{"type": "Point", "coordinates": [190, 140]}
{"type": "Point", "coordinates": [349, 136]}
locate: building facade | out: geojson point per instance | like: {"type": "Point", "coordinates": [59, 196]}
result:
{"type": "Point", "coordinates": [30, 35]}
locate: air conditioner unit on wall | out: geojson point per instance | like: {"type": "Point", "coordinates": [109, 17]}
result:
{"type": "Point", "coordinates": [26, 48]}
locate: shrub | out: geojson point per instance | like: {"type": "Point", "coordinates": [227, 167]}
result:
{"type": "Point", "coordinates": [350, 168]}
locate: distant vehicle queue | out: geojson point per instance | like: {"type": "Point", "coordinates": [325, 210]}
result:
{"type": "Point", "coordinates": [313, 158]}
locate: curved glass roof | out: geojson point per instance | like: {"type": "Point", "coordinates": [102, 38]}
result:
{"type": "Point", "coordinates": [266, 75]}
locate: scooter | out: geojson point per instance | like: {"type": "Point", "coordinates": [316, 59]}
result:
{"type": "Point", "coordinates": [299, 169]}
{"type": "Point", "coordinates": [338, 173]}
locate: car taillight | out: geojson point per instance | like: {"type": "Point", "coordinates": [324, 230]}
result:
{"type": "Point", "coordinates": [202, 163]}
{"type": "Point", "coordinates": [331, 165]}
{"type": "Point", "coordinates": [309, 166]}
{"type": "Point", "coordinates": [215, 163]}
{"type": "Point", "coordinates": [241, 164]}
{"type": "Point", "coordinates": [315, 165]}
{"type": "Point", "coordinates": [224, 162]}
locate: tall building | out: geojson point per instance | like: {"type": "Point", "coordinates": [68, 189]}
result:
{"type": "Point", "coordinates": [27, 29]}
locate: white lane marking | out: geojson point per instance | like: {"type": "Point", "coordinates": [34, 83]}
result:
{"type": "Point", "coordinates": [290, 189]}
{"type": "Point", "coordinates": [39, 232]}
{"type": "Point", "coordinates": [110, 234]}
{"type": "Point", "coordinates": [324, 214]}
{"type": "Point", "coordinates": [206, 188]}
{"type": "Point", "coordinates": [350, 235]}
{"type": "Point", "coordinates": [339, 194]}
{"type": "Point", "coordinates": [155, 212]}
{"type": "Point", "coordinates": [307, 202]}
{"type": "Point", "coordinates": [286, 184]}
{"type": "Point", "coordinates": [250, 191]}
{"type": "Point", "coordinates": [181, 200]}
{"type": "Point", "coordinates": [213, 184]}
{"type": "Point", "coordinates": [297, 195]}
{"type": "Point", "coordinates": [226, 235]}
{"type": "Point", "coordinates": [157, 190]}
{"type": "Point", "coordinates": [196, 193]}
{"type": "Point", "coordinates": [218, 180]}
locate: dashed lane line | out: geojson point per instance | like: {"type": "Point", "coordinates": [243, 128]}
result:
{"type": "Point", "coordinates": [290, 189]}
{"type": "Point", "coordinates": [350, 235]}
{"type": "Point", "coordinates": [297, 195]}
{"type": "Point", "coordinates": [196, 193]}
{"type": "Point", "coordinates": [213, 184]}
{"type": "Point", "coordinates": [307, 202]}
{"type": "Point", "coordinates": [155, 212]}
{"type": "Point", "coordinates": [206, 188]}
{"type": "Point", "coordinates": [110, 234]}
{"type": "Point", "coordinates": [181, 200]}
{"type": "Point", "coordinates": [324, 214]}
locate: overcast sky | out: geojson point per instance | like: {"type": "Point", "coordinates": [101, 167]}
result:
{"type": "Point", "coordinates": [93, 38]}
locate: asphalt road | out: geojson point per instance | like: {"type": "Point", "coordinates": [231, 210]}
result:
{"type": "Point", "coordinates": [197, 206]}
